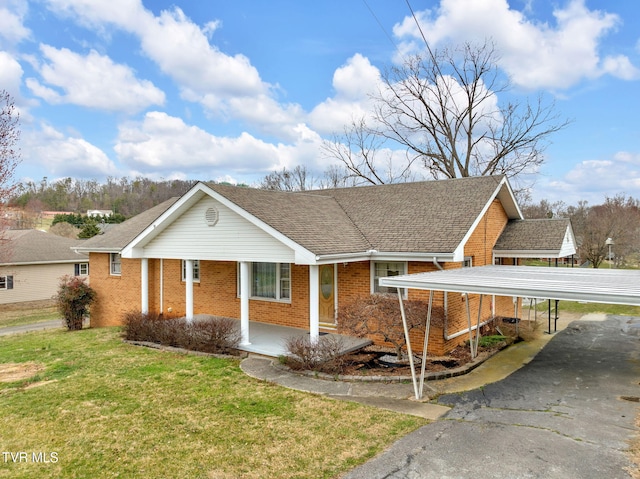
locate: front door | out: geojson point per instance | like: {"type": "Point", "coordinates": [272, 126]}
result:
{"type": "Point", "coordinates": [327, 303]}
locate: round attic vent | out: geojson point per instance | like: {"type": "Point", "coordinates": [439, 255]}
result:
{"type": "Point", "coordinates": [211, 216]}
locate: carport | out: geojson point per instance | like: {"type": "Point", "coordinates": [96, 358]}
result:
{"type": "Point", "coordinates": [610, 286]}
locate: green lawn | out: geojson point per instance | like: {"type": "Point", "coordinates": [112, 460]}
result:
{"type": "Point", "coordinates": [585, 308]}
{"type": "Point", "coordinates": [101, 408]}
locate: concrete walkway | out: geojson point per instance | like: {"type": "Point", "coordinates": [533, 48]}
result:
{"type": "Point", "coordinates": [399, 397]}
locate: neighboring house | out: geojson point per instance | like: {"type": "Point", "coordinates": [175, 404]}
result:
{"type": "Point", "coordinates": [32, 263]}
{"type": "Point", "coordinates": [94, 213]}
{"type": "Point", "coordinates": [293, 258]}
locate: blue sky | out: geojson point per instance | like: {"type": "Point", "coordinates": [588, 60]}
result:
{"type": "Point", "coordinates": [234, 90]}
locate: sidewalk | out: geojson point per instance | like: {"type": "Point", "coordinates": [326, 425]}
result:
{"type": "Point", "coordinates": [399, 396]}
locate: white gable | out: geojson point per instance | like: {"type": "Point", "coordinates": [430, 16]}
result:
{"type": "Point", "coordinates": [231, 238]}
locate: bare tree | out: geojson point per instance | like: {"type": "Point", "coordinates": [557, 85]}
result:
{"type": "Point", "coordinates": [443, 109]}
{"type": "Point", "coordinates": [297, 179]}
{"type": "Point", "coordinates": [9, 156]}
{"type": "Point", "coordinates": [361, 152]}
{"type": "Point", "coordinates": [618, 218]}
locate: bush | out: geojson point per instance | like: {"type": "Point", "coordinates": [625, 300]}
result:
{"type": "Point", "coordinates": [73, 300]}
{"type": "Point", "coordinates": [210, 334]}
{"type": "Point", "coordinates": [325, 355]}
{"type": "Point", "coordinates": [379, 315]}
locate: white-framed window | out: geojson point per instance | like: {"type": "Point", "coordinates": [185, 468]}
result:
{"type": "Point", "coordinates": [468, 262]}
{"type": "Point", "coordinates": [269, 281]}
{"type": "Point", "coordinates": [81, 269]}
{"type": "Point", "coordinates": [381, 269]}
{"type": "Point", "coordinates": [196, 270]}
{"type": "Point", "coordinates": [115, 264]}
{"type": "Point", "coordinates": [6, 282]}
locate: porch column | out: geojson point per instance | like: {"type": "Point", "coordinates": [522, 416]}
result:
{"type": "Point", "coordinates": [189, 288]}
{"type": "Point", "coordinates": [314, 298]}
{"type": "Point", "coordinates": [244, 303]}
{"type": "Point", "coordinates": [144, 285]}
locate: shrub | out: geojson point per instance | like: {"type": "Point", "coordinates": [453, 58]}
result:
{"type": "Point", "coordinates": [325, 355]}
{"type": "Point", "coordinates": [210, 334]}
{"type": "Point", "coordinates": [379, 315]}
{"type": "Point", "coordinates": [73, 300]}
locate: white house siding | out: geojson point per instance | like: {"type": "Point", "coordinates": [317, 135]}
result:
{"type": "Point", "coordinates": [33, 282]}
{"type": "Point", "coordinates": [568, 246]}
{"type": "Point", "coordinates": [233, 238]}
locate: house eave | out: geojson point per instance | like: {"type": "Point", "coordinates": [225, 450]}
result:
{"type": "Point", "coordinates": [529, 254]}
{"type": "Point", "coordinates": [374, 255]}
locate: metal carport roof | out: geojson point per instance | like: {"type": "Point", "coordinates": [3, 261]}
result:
{"type": "Point", "coordinates": [611, 286]}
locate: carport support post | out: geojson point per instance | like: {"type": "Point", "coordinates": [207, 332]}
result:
{"type": "Point", "coordinates": [425, 344]}
{"type": "Point", "coordinates": [408, 340]}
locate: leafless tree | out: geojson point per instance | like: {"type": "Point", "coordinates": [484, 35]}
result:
{"type": "Point", "coordinates": [361, 152]}
{"type": "Point", "coordinates": [9, 156]}
{"type": "Point", "coordinates": [618, 218]}
{"type": "Point", "coordinates": [443, 109]}
{"type": "Point", "coordinates": [297, 179]}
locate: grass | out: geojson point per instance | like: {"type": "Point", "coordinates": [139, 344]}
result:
{"type": "Point", "coordinates": [109, 409]}
{"type": "Point", "coordinates": [28, 313]}
{"type": "Point", "coordinates": [585, 308]}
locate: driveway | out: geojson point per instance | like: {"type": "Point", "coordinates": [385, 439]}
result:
{"type": "Point", "coordinates": [569, 413]}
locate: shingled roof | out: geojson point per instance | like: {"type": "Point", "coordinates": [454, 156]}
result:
{"type": "Point", "coordinates": [37, 247]}
{"type": "Point", "coordinates": [422, 217]}
{"type": "Point", "coordinates": [542, 235]}
{"type": "Point", "coordinates": [430, 216]}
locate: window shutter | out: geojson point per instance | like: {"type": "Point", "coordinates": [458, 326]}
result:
{"type": "Point", "coordinates": [76, 268]}
{"type": "Point", "coordinates": [9, 282]}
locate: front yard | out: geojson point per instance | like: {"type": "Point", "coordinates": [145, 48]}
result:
{"type": "Point", "coordinates": [84, 404]}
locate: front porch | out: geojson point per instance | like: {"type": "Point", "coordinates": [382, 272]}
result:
{"type": "Point", "coordinates": [270, 339]}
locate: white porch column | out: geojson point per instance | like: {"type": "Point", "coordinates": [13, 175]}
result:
{"type": "Point", "coordinates": [314, 298]}
{"type": "Point", "coordinates": [144, 285]}
{"type": "Point", "coordinates": [244, 303]}
{"type": "Point", "coordinates": [189, 288]}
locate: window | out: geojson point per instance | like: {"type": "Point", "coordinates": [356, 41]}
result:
{"type": "Point", "coordinates": [269, 280]}
{"type": "Point", "coordinates": [468, 262]}
{"type": "Point", "coordinates": [196, 270]}
{"type": "Point", "coordinates": [382, 270]}
{"type": "Point", "coordinates": [81, 269]}
{"type": "Point", "coordinates": [115, 261]}
{"type": "Point", "coordinates": [6, 282]}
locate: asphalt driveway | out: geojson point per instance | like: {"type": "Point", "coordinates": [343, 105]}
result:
{"type": "Point", "coordinates": [569, 413]}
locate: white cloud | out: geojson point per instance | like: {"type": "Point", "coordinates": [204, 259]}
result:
{"type": "Point", "coordinates": [93, 81]}
{"type": "Point", "coordinates": [534, 54]}
{"type": "Point", "coordinates": [594, 180]}
{"type": "Point", "coordinates": [12, 29]}
{"type": "Point", "coordinates": [165, 145]}
{"type": "Point", "coordinates": [65, 155]}
{"type": "Point", "coordinates": [353, 83]}
{"type": "Point", "coordinates": [10, 74]}
{"type": "Point", "coordinates": [203, 73]}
